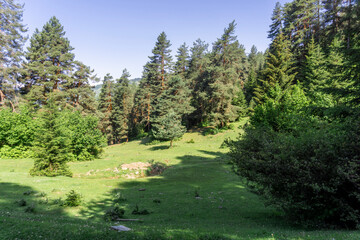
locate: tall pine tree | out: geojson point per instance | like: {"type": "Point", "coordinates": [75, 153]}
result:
{"type": "Point", "coordinates": [105, 107]}
{"type": "Point", "coordinates": [123, 103]}
{"type": "Point", "coordinates": [11, 43]}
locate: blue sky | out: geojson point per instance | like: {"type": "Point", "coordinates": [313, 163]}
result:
{"type": "Point", "coordinates": [110, 35]}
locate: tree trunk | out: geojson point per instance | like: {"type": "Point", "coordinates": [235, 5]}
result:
{"type": "Point", "coordinates": [171, 143]}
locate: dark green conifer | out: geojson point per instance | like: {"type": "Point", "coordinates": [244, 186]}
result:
{"type": "Point", "coordinates": [11, 43]}
{"type": "Point", "coordinates": [50, 62]}
{"type": "Point", "coordinates": [168, 127]}
{"type": "Point", "coordinates": [123, 103]}
{"type": "Point", "coordinates": [51, 145]}
{"type": "Point", "coordinates": [278, 69]}
{"type": "Point", "coordinates": [225, 78]}
{"type": "Point", "coordinates": [105, 107]}
{"type": "Point", "coordinates": [277, 18]}
{"type": "Point", "coordinates": [182, 62]}
{"type": "Point", "coordinates": [316, 75]}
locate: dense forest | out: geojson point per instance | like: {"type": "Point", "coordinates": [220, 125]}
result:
{"type": "Point", "coordinates": [301, 146]}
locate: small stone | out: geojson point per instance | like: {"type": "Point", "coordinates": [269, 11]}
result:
{"type": "Point", "coordinates": [121, 228]}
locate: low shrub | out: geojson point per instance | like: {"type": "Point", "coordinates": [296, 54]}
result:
{"type": "Point", "coordinates": [115, 213]}
{"type": "Point", "coordinates": [73, 199]}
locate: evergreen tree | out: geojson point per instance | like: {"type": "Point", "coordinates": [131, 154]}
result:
{"type": "Point", "coordinates": [225, 78]}
{"type": "Point", "coordinates": [316, 75]}
{"type": "Point", "coordinates": [49, 65]}
{"type": "Point", "coordinates": [198, 61]}
{"type": "Point", "coordinates": [175, 98]}
{"type": "Point", "coordinates": [278, 69]}
{"type": "Point", "coordinates": [338, 81]}
{"type": "Point", "coordinates": [105, 107]}
{"type": "Point", "coordinates": [142, 106]}
{"type": "Point", "coordinates": [256, 63]}
{"type": "Point", "coordinates": [11, 43]}
{"type": "Point", "coordinates": [79, 91]}
{"type": "Point", "coordinates": [168, 127]}
{"type": "Point", "coordinates": [123, 103]}
{"type": "Point", "coordinates": [154, 81]}
{"type": "Point", "coordinates": [51, 145]}
{"type": "Point", "coordinates": [277, 18]}
{"type": "Point", "coordinates": [182, 63]}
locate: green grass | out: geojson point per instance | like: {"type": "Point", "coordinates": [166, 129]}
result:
{"type": "Point", "coordinates": [225, 209]}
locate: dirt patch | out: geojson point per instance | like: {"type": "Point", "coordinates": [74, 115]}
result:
{"type": "Point", "coordinates": [136, 166]}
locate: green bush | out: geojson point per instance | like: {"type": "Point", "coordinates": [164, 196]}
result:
{"type": "Point", "coordinates": [311, 173]}
{"type": "Point", "coordinates": [17, 133]}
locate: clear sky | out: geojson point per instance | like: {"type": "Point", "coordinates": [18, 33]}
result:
{"type": "Point", "coordinates": [110, 35]}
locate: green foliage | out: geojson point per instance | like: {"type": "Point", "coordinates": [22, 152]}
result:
{"type": "Point", "coordinates": [85, 139]}
{"type": "Point", "coordinates": [73, 199]}
{"type": "Point", "coordinates": [17, 133]}
{"type": "Point", "coordinates": [281, 115]}
{"type": "Point", "coordinates": [115, 213]}
{"type": "Point", "coordinates": [169, 127]}
{"type": "Point", "coordinates": [11, 52]}
{"type": "Point", "coordinates": [51, 145]}
{"type": "Point", "coordinates": [279, 69]}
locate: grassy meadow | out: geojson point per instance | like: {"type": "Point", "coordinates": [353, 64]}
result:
{"type": "Point", "coordinates": [196, 197]}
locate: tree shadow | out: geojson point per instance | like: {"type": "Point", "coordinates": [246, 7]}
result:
{"type": "Point", "coordinates": [156, 148]}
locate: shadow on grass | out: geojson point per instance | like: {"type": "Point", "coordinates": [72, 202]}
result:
{"type": "Point", "coordinates": [200, 195]}
{"type": "Point", "coordinates": [198, 198]}
{"type": "Point", "coordinates": [155, 148]}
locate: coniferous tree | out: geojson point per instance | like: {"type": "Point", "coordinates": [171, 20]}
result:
{"type": "Point", "coordinates": [182, 62]}
{"type": "Point", "coordinates": [49, 65]}
{"type": "Point", "coordinates": [256, 63]}
{"type": "Point", "coordinates": [277, 18]}
{"type": "Point", "coordinates": [168, 127]}
{"type": "Point", "coordinates": [175, 98]}
{"type": "Point", "coordinates": [316, 75]}
{"type": "Point", "coordinates": [51, 144]}
{"type": "Point", "coordinates": [11, 43]}
{"type": "Point", "coordinates": [225, 77]}
{"type": "Point", "coordinates": [278, 69]}
{"type": "Point", "coordinates": [105, 107]}
{"type": "Point", "coordinates": [123, 103]}
{"type": "Point", "coordinates": [78, 89]}
{"type": "Point", "coordinates": [154, 81]}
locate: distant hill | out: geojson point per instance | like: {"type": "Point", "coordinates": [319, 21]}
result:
{"type": "Point", "coordinates": [97, 88]}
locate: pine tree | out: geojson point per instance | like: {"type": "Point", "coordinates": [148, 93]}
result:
{"type": "Point", "coordinates": [11, 43]}
{"type": "Point", "coordinates": [168, 127]}
{"type": "Point", "coordinates": [79, 91]}
{"type": "Point", "coordinates": [277, 18]}
{"type": "Point", "coordinates": [175, 98]}
{"type": "Point", "coordinates": [278, 69]}
{"type": "Point", "coordinates": [182, 63]}
{"type": "Point", "coordinates": [225, 77]}
{"type": "Point", "coordinates": [49, 65]}
{"type": "Point", "coordinates": [105, 108]}
{"type": "Point", "coordinates": [123, 103]}
{"type": "Point", "coordinates": [51, 145]}
{"type": "Point", "coordinates": [154, 81]}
